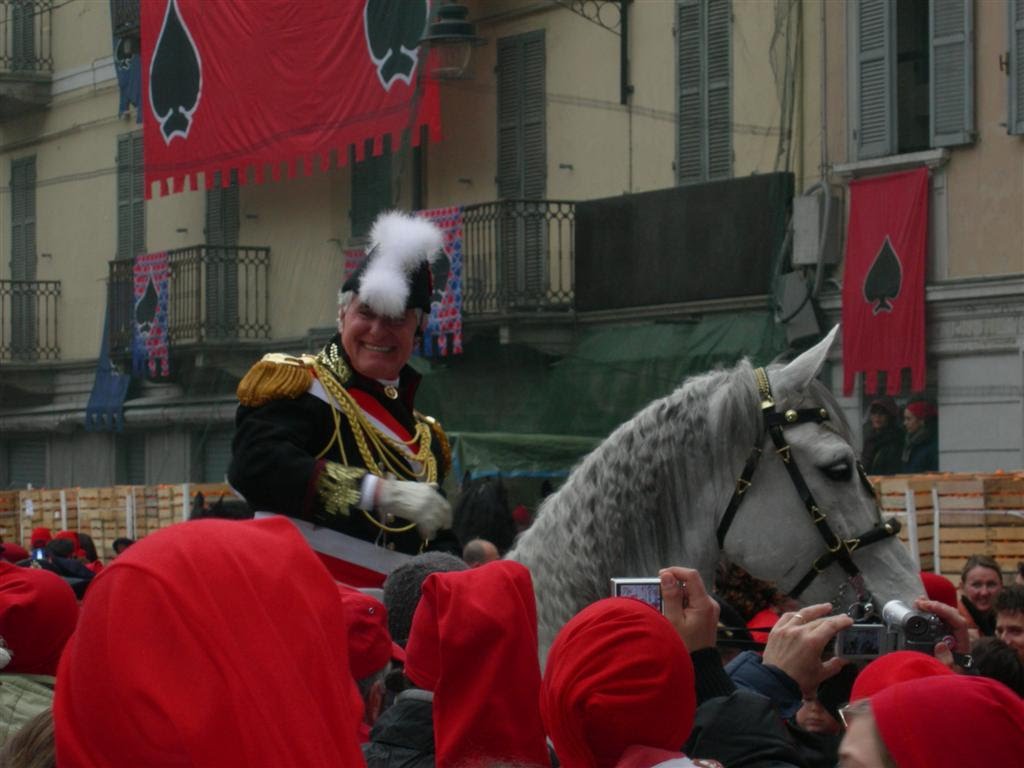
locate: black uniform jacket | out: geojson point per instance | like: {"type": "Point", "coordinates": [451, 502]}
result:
{"type": "Point", "coordinates": [274, 461]}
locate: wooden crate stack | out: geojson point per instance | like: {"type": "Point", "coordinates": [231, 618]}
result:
{"type": "Point", "coordinates": [101, 514]}
{"type": "Point", "coordinates": [10, 521]}
{"type": "Point", "coordinates": [46, 509]}
{"type": "Point", "coordinates": [978, 514]}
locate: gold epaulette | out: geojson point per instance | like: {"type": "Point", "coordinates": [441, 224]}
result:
{"type": "Point", "coordinates": [275, 377]}
{"type": "Point", "coordinates": [442, 439]}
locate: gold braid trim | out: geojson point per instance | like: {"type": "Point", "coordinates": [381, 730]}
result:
{"type": "Point", "coordinates": [381, 454]}
{"type": "Point", "coordinates": [442, 440]}
{"type": "Point", "coordinates": [339, 487]}
{"type": "Point", "coordinates": [274, 377]}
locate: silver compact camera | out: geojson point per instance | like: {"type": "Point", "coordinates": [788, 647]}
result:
{"type": "Point", "coordinates": [646, 589]}
{"type": "Point", "coordinates": [902, 629]}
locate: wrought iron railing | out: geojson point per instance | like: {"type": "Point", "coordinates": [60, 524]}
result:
{"type": "Point", "coordinates": [214, 294]}
{"type": "Point", "coordinates": [518, 256]}
{"type": "Point", "coordinates": [25, 36]}
{"type": "Point", "coordinates": [28, 320]}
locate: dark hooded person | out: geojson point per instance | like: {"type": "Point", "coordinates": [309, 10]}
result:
{"type": "Point", "coordinates": [334, 439]}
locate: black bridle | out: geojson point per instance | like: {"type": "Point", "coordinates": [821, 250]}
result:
{"type": "Point", "coordinates": [838, 550]}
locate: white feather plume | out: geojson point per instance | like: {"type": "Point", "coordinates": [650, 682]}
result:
{"type": "Point", "coordinates": [400, 243]}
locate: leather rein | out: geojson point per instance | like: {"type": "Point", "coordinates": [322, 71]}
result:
{"type": "Point", "coordinates": [837, 549]}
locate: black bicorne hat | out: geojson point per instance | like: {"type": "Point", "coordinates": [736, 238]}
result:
{"type": "Point", "coordinates": [395, 275]}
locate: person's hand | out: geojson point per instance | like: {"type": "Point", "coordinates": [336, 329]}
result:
{"type": "Point", "coordinates": [797, 640]}
{"type": "Point", "coordinates": [957, 626]}
{"type": "Point", "coordinates": [688, 607]}
{"type": "Point", "coordinates": [418, 503]}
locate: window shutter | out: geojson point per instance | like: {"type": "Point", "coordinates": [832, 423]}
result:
{"type": "Point", "coordinates": [26, 463]}
{"type": "Point", "coordinates": [23, 257]}
{"type": "Point", "coordinates": [951, 81]}
{"type": "Point", "coordinates": [23, 34]}
{"type": "Point", "coordinates": [222, 226]}
{"type": "Point", "coordinates": [124, 196]}
{"type": "Point", "coordinates": [691, 123]}
{"type": "Point", "coordinates": [876, 93]}
{"type": "Point", "coordinates": [510, 76]}
{"type": "Point", "coordinates": [719, 101]}
{"type": "Point", "coordinates": [534, 147]}
{"type": "Point", "coordinates": [1015, 124]}
{"type": "Point", "coordinates": [131, 459]}
{"type": "Point", "coordinates": [138, 196]}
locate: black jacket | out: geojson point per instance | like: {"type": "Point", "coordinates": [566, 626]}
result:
{"type": "Point", "coordinates": [403, 736]}
{"type": "Point", "coordinates": [280, 448]}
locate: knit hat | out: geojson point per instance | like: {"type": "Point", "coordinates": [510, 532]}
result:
{"type": "Point", "coordinates": [950, 720]}
{"type": "Point", "coordinates": [40, 537]}
{"type": "Point", "coordinates": [893, 668]}
{"type": "Point", "coordinates": [369, 644]}
{"type": "Point", "coordinates": [72, 536]}
{"type": "Point", "coordinates": [196, 648]}
{"type": "Point", "coordinates": [922, 409]}
{"type": "Point", "coordinates": [939, 588]}
{"type": "Point", "coordinates": [474, 644]}
{"type": "Point", "coordinates": [38, 612]}
{"type": "Point", "coordinates": [617, 675]}
{"type": "Point", "coordinates": [395, 275]}
{"type": "Point", "coordinates": [402, 589]}
{"type": "Point", "coordinates": [765, 618]}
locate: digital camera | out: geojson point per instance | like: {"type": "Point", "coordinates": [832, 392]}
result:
{"type": "Point", "coordinates": [646, 589]}
{"type": "Point", "coordinates": [902, 629]}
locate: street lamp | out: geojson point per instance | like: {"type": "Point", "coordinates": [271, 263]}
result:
{"type": "Point", "coordinates": [450, 41]}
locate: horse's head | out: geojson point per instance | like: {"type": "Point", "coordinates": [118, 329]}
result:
{"type": "Point", "coordinates": [781, 530]}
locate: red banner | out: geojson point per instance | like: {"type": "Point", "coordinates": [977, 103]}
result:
{"type": "Point", "coordinates": [883, 281]}
{"type": "Point", "coordinates": [233, 85]}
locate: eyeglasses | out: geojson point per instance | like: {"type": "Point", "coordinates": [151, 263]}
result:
{"type": "Point", "coordinates": [852, 711]}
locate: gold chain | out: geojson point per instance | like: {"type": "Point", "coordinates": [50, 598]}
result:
{"type": "Point", "coordinates": [380, 452]}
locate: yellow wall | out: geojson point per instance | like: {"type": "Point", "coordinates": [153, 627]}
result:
{"type": "Point", "coordinates": [986, 180]}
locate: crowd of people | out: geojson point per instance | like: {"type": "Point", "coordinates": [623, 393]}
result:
{"type": "Point", "coordinates": [900, 442]}
{"type": "Point", "coordinates": [194, 647]}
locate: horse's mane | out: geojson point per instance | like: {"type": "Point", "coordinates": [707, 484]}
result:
{"type": "Point", "coordinates": [685, 446]}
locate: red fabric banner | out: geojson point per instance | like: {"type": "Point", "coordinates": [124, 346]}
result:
{"type": "Point", "coordinates": [233, 85]}
{"type": "Point", "coordinates": [883, 281]}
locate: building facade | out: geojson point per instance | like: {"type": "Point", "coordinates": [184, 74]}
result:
{"type": "Point", "coordinates": [566, 103]}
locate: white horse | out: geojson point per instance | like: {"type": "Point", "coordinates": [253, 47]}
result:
{"type": "Point", "coordinates": [654, 493]}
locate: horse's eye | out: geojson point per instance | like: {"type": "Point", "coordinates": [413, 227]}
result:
{"type": "Point", "coordinates": [839, 472]}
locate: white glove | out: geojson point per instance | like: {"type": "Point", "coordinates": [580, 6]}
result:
{"type": "Point", "coordinates": [418, 503]}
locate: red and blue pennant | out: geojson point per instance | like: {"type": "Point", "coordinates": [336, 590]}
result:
{"type": "Point", "coordinates": [443, 334]}
{"type": "Point", "coordinates": [151, 274]}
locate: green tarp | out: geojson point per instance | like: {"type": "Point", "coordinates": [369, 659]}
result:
{"type": "Point", "coordinates": [518, 410]}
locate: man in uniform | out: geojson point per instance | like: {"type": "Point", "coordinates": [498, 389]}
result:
{"type": "Point", "coordinates": [334, 439]}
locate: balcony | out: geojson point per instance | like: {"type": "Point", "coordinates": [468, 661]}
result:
{"type": "Point", "coordinates": [217, 295]}
{"type": "Point", "coordinates": [28, 320]}
{"type": "Point", "coordinates": [518, 257]}
{"type": "Point", "coordinates": [26, 56]}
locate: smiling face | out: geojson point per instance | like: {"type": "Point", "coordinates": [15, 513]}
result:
{"type": "Point", "coordinates": [981, 585]}
{"type": "Point", "coordinates": [377, 346]}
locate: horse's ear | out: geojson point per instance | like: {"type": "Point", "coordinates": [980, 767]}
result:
{"type": "Point", "coordinates": [797, 375]}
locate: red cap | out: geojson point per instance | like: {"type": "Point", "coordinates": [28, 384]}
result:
{"type": "Point", "coordinates": [473, 643]}
{"type": "Point", "coordinates": [197, 648]}
{"type": "Point", "coordinates": [892, 668]}
{"type": "Point", "coordinates": [950, 720]}
{"type": "Point", "coordinates": [939, 588]}
{"type": "Point", "coordinates": [617, 675]}
{"type": "Point", "coordinates": [13, 553]}
{"type": "Point", "coordinates": [369, 643]}
{"type": "Point", "coordinates": [40, 537]}
{"type": "Point", "coordinates": [38, 612]}
{"type": "Point", "coordinates": [922, 409]}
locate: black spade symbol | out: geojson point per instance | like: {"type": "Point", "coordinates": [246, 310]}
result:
{"type": "Point", "coordinates": [393, 31]}
{"type": "Point", "coordinates": [883, 280]}
{"type": "Point", "coordinates": [145, 309]}
{"type": "Point", "coordinates": [174, 77]}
